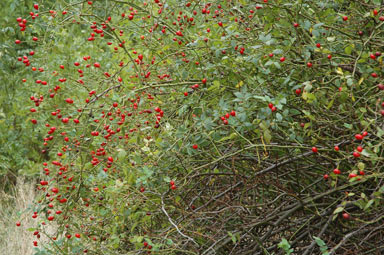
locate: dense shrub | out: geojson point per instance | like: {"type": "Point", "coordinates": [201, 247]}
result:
{"type": "Point", "coordinates": [214, 127]}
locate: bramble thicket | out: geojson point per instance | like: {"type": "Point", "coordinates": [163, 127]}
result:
{"type": "Point", "coordinates": [196, 127]}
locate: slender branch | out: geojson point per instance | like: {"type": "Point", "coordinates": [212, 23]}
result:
{"type": "Point", "coordinates": [173, 224]}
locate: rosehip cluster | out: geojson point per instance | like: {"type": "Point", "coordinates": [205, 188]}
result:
{"type": "Point", "coordinates": [226, 117]}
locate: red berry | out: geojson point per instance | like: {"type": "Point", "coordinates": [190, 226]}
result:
{"type": "Point", "coordinates": [195, 146]}
{"type": "Point", "coordinates": [345, 18]}
{"type": "Point", "coordinates": [336, 171]}
{"type": "Point", "coordinates": [233, 113]}
{"type": "Point", "coordinates": [346, 216]}
{"type": "Point", "coordinates": [337, 148]}
{"type": "Point", "coordinates": [282, 59]}
{"type": "Point", "coordinates": [69, 100]}
{"type": "Point", "coordinates": [314, 150]}
{"type": "Point", "coordinates": [18, 224]}
{"type": "Point", "coordinates": [359, 148]}
{"type": "Point", "coordinates": [356, 154]}
{"type": "Point", "coordinates": [77, 235]}
{"type": "Point", "coordinates": [359, 137]}
{"type": "Point", "coordinates": [309, 64]}
{"type": "Point", "coordinates": [326, 176]}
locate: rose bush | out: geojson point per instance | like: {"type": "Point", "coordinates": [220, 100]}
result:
{"type": "Point", "coordinates": [172, 127]}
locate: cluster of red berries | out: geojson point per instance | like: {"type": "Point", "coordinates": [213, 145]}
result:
{"type": "Point", "coordinates": [337, 171]}
{"type": "Point", "coordinates": [146, 245]}
{"type": "Point", "coordinates": [226, 117]}
{"type": "Point", "coordinates": [355, 154]}
{"type": "Point", "coordinates": [193, 87]}
{"type": "Point", "coordinates": [272, 107]}
{"type": "Point", "coordinates": [173, 186]}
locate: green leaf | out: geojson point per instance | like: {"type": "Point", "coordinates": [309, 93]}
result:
{"type": "Point", "coordinates": [215, 86]}
{"type": "Point", "coordinates": [277, 65]}
{"type": "Point", "coordinates": [308, 114]}
{"type": "Point", "coordinates": [267, 136]}
{"type": "Point", "coordinates": [370, 202]}
{"type": "Point", "coordinates": [380, 132]}
{"type": "Point", "coordinates": [121, 154]}
{"type": "Point", "coordinates": [169, 242]}
{"type": "Point", "coordinates": [348, 49]}
{"type": "Point", "coordinates": [230, 137]}
{"type": "Point", "coordinates": [319, 242]}
{"type": "Point", "coordinates": [338, 210]}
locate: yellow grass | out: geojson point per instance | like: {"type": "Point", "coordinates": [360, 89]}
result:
{"type": "Point", "coordinates": [17, 240]}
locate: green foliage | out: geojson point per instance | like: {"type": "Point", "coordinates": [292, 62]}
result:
{"type": "Point", "coordinates": [164, 128]}
{"type": "Point", "coordinates": [322, 245]}
{"type": "Point", "coordinates": [19, 143]}
{"type": "Point", "coordinates": [284, 244]}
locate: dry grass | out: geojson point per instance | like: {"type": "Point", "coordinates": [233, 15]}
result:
{"type": "Point", "coordinates": [17, 240]}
